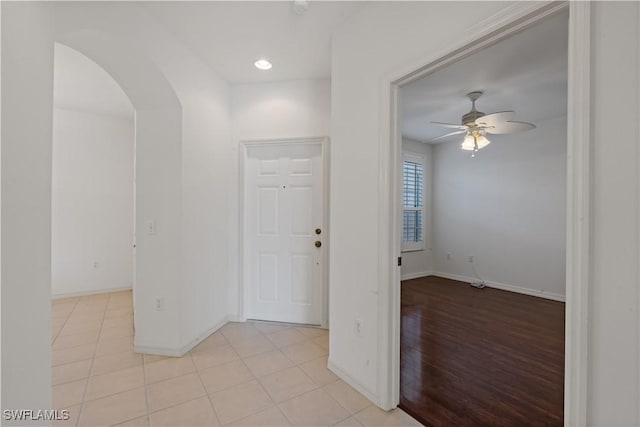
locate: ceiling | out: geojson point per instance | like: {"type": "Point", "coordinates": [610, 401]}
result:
{"type": "Point", "coordinates": [230, 36]}
{"type": "Point", "coordinates": [526, 73]}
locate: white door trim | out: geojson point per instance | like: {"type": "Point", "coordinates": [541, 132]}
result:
{"type": "Point", "coordinates": [242, 239]}
{"type": "Point", "coordinates": [507, 22]}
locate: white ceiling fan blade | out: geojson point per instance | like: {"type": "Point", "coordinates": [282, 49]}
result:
{"type": "Point", "coordinates": [510, 127]}
{"type": "Point", "coordinates": [450, 125]}
{"type": "Point", "coordinates": [458, 132]}
{"type": "Point", "coordinates": [494, 119]}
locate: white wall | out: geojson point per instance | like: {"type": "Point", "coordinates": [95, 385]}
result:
{"type": "Point", "coordinates": [385, 37]}
{"type": "Point", "coordinates": [291, 109]}
{"type": "Point", "coordinates": [614, 338]}
{"type": "Point", "coordinates": [205, 190]}
{"type": "Point", "coordinates": [92, 203]}
{"type": "Point", "coordinates": [183, 144]}
{"type": "Point", "coordinates": [181, 121]}
{"type": "Point", "coordinates": [506, 207]}
{"type": "Point", "coordinates": [420, 263]}
{"type": "Point", "coordinates": [27, 109]}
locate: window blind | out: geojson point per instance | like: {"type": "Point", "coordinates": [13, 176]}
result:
{"type": "Point", "coordinates": [413, 201]}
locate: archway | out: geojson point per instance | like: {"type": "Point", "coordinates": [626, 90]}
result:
{"type": "Point", "coordinates": [158, 165]}
{"type": "Point", "coordinates": [92, 183]}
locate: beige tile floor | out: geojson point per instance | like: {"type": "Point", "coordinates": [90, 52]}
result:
{"type": "Point", "coordinates": [246, 374]}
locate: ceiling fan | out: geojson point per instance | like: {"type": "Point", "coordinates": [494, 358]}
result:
{"type": "Point", "coordinates": [477, 125]}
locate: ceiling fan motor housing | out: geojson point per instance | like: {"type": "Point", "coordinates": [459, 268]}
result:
{"type": "Point", "coordinates": [469, 119]}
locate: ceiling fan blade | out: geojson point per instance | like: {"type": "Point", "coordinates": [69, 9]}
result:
{"type": "Point", "coordinates": [510, 127]}
{"type": "Point", "coordinates": [450, 125]}
{"type": "Point", "coordinates": [458, 132]}
{"type": "Point", "coordinates": [494, 119]}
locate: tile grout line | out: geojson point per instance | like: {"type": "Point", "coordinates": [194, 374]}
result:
{"type": "Point", "coordinates": [121, 391]}
{"type": "Point", "coordinates": [172, 406]}
{"type": "Point", "coordinates": [278, 404]}
{"type": "Point", "coordinates": [144, 377]}
{"type": "Point", "coordinates": [65, 323]}
{"type": "Point", "coordinates": [349, 414]}
{"type": "Point", "coordinates": [86, 387]}
{"type": "Point", "coordinates": [307, 339]}
{"type": "Point", "coordinates": [88, 358]}
{"type": "Point", "coordinates": [296, 365]}
{"type": "Point", "coordinates": [76, 345]}
{"type": "Point", "coordinates": [206, 392]}
{"type": "Point", "coordinates": [197, 372]}
{"type": "Point", "coordinates": [255, 378]}
{"type": "Point", "coordinates": [231, 386]}
{"type": "Point", "coordinates": [90, 373]}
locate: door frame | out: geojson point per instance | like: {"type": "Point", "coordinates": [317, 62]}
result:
{"type": "Point", "coordinates": [509, 21]}
{"type": "Point", "coordinates": [243, 250]}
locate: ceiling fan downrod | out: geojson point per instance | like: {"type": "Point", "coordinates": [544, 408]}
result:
{"type": "Point", "coordinates": [469, 119]}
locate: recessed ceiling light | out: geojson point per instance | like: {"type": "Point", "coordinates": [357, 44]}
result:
{"type": "Point", "coordinates": [263, 64]}
{"type": "Point", "coordinates": [300, 6]}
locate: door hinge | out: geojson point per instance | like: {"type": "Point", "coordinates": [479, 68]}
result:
{"type": "Point", "coordinates": [399, 261]}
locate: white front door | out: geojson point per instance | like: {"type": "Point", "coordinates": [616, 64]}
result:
{"type": "Point", "coordinates": [283, 224]}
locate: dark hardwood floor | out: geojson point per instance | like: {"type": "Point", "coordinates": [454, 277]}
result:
{"type": "Point", "coordinates": [480, 357]}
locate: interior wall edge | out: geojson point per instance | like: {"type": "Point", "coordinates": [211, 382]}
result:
{"type": "Point", "coordinates": [416, 275]}
{"type": "Point", "coordinates": [61, 295]}
{"type": "Point", "coordinates": [357, 385]}
{"type": "Point", "coordinates": [182, 350]}
{"type": "Point", "coordinates": [505, 287]}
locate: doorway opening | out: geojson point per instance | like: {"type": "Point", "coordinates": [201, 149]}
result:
{"type": "Point", "coordinates": [577, 206]}
{"type": "Point", "coordinates": [494, 218]}
{"type": "Point", "coordinates": [284, 231]}
{"type": "Point", "coordinates": [93, 193]}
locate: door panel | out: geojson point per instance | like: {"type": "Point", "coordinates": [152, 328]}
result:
{"type": "Point", "coordinates": [301, 211]}
{"type": "Point", "coordinates": [268, 277]}
{"type": "Point", "coordinates": [301, 278]}
{"type": "Point", "coordinates": [283, 202]}
{"type": "Point", "coordinates": [268, 208]}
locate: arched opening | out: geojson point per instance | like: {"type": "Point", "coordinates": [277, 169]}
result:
{"type": "Point", "coordinates": [92, 208]}
{"type": "Point", "coordinates": [92, 180]}
{"type": "Point", "coordinates": [156, 206]}
{"type": "Point", "coordinates": [164, 195]}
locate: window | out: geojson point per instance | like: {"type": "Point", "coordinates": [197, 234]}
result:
{"type": "Point", "coordinates": [413, 203]}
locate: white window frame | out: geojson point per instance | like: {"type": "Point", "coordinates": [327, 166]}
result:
{"type": "Point", "coordinates": [420, 159]}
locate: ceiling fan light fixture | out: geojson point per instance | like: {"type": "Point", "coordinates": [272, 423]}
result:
{"type": "Point", "coordinates": [474, 141]}
{"type": "Point", "coordinates": [469, 143]}
{"type": "Point", "coordinates": [482, 141]}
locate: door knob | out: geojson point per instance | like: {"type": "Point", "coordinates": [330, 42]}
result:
{"type": "Point", "coordinates": [318, 243]}
{"type": "Point", "coordinates": [318, 231]}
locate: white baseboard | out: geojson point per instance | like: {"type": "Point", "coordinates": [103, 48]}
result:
{"type": "Point", "coordinates": [158, 351]}
{"type": "Point", "coordinates": [89, 292]}
{"type": "Point", "coordinates": [333, 367]}
{"type": "Point", "coordinates": [410, 276]}
{"type": "Point", "coordinates": [181, 351]}
{"type": "Point", "coordinates": [503, 286]}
